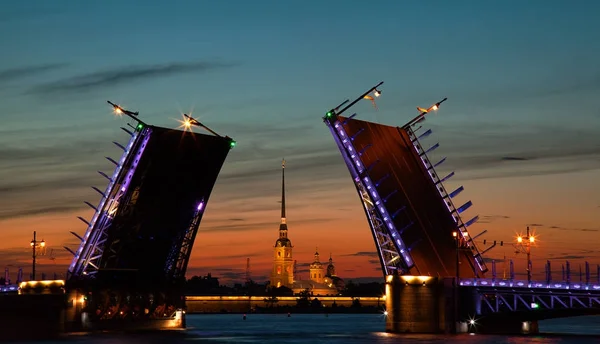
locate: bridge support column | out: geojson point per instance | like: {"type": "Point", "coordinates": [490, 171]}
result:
{"type": "Point", "coordinates": [419, 304]}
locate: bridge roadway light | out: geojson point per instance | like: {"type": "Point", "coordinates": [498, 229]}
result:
{"type": "Point", "coordinates": [526, 242]}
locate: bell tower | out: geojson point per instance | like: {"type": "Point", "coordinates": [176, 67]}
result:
{"type": "Point", "coordinates": [316, 269]}
{"type": "Point", "coordinates": [282, 274]}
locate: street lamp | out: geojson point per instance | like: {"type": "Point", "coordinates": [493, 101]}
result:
{"type": "Point", "coordinates": [37, 248]}
{"type": "Point", "coordinates": [527, 241]}
{"type": "Point", "coordinates": [189, 121]}
{"type": "Point", "coordinates": [457, 239]}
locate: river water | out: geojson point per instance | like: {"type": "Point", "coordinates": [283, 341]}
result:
{"type": "Point", "coordinates": [335, 328]}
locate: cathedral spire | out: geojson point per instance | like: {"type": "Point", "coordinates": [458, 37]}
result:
{"type": "Point", "coordinates": [283, 191]}
{"type": "Point", "coordinates": [283, 225]}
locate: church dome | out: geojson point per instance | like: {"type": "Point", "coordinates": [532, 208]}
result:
{"type": "Point", "coordinates": [283, 242]}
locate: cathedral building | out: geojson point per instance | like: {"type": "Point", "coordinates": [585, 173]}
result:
{"type": "Point", "coordinates": [283, 264]}
{"type": "Point", "coordinates": [322, 281]}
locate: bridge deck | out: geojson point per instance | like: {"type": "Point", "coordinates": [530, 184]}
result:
{"type": "Point", "coordinates": [426, 224]}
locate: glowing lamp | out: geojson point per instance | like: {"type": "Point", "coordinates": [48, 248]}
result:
{"type": "Point", "coordinates": [377, 93]}
{"type": "Point", "coordinates": [531, 239]}
{"type": "Point", "coordinates": [435, 107]}
{"type": "Point", "coordinates": [43, 243]}
{"type": "Point", "coordinates": [454, 234]}
{"type": "Point", "coordinates": [519, 239]}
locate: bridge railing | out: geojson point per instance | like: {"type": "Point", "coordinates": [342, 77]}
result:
{"type": "Point", "coordinates": [439, 184]}
{"type": "Point", "coordinates": [508, 283]}
{"type": "Point", "coordinates": [9, 288]}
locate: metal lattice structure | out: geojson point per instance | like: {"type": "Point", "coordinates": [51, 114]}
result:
{"type": "Point", "coordinates": [92, 246]}
{"type": "Point", "coordinates": [393, 253]}
{"type": "Point", "coordinates": [145, 224]}
{"type": "Point", "coordinates": [515, 299]}
{"type": "Point", "coordinates": [181, 250]}
{"type": "Point", "coordinates": [466, 239]}
{"type": "Point", "coordinates": [397, 183]}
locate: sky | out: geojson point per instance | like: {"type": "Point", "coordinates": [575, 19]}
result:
{"type": "Point", "coordinates": [520, 128]}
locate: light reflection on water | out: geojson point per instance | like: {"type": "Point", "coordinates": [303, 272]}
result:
{"type": "Point", "coordinates": [336, 328]}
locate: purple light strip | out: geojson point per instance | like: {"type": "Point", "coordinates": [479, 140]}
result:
{"type": "Point", "coordinates": [8, 288]}
{"type": "Point", "coordinates": [352, 159]}
{"type": "Point", "coordinates": [103, 200]}
{"type": "Point", "coordinates": [102, 208]}
{"type": "Point", "coordinates": [489, 282]}
{"type": "Point", "coordinates": [447, 200]}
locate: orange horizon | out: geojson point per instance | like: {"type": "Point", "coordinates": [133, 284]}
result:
{"type": "Point", "coordinates": [343, 231]}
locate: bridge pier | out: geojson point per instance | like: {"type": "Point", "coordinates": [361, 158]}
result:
{"type": "Point", "coordinates": [424, 304]}
{"type": "Point", "coordinates": [419, 304]}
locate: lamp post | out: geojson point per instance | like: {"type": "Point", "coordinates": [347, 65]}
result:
{"type": "Point", "coordinates": [189, 121]}
{"type": "Point", "coordinates": [526, 242]}
{"type": "Point", "coordinates": [36, 246]}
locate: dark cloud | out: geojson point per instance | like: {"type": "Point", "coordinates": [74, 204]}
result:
{"type": "Point", "coordinates": [491, 218]}
{"type": "Point", "coordinates": [374, 261]}
{"type": "Point", "coordinates": [506, 151]}
{"type": "Point", "coordinates": [243, 255]}
{"type": "Point", "coordinates": [4, 214]}
{"type": "Point", "coordinates": [255, 225]}
{"type": "Point", "coordinates": [535, 225]}
{"type": "Point", "coordinates": [236, 219]}
{"type": "Point", "coordinates": [123, 75]}
{"type": "Point", "coordinates": [569, 256]}
{"type": "Point", "coordinates": [23, 72]}
{"type": "Point", "coordinates": [490, 259]}
{"type": "Point", "coordinates": [575, 229]}
{"type": "Point", "coordinates": [361, 254]}
{"type": "Point", "coordinates": [512, 158]}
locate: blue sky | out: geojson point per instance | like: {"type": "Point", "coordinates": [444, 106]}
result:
{"type": "Point", "coordinates": [522, 78]}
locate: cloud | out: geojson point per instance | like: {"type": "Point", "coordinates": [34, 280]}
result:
{"type": "Point", "coordinates": [23, 72]}
{"type": "Point", "coordinates": [124, 75]}
{"type": "Point", "coordinates": [535, 225]}
{"type": "Point", "coordinates": [503, 150]}
{"type": "Point", "coordinates": [512, 158]}
{"type": "Point", "coordinates": [491, 218]}
{"type": "Point", "coordinates": [374, 261]}
{"type": "Point", "coordinates": [361, 254]}
{"type": "Point", "coordinates": [255, 225]}
{"type": "Point", "coordinates": [569, 256]}
{"type": "Point", "coordinates": [4, 215]}
{"type": "Point", "coordinates": [490, 259]}
{"type": "Point", "coordinates": [575, 229]}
